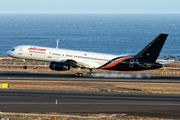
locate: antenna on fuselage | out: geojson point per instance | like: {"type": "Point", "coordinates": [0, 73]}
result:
{"type": "Point", "coordinates": [57, 43]}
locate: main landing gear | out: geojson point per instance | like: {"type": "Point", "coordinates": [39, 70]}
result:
{"type": "Point", "coordinates": [90, 72]}
{"type": "Point", "coordinates": [79, 74]}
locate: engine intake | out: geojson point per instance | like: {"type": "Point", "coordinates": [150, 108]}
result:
{"type": "Point", "coordinates": [59, 66]}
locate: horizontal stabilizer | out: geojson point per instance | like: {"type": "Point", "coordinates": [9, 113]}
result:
{"type": "Point", "coordinates": [164, 63]}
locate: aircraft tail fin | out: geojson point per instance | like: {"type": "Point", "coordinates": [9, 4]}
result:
{"type": "Point", "coordinates": [151, 52]}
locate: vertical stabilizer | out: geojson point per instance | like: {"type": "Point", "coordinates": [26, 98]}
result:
{"type": "Point", "coordinates": [151, 52]}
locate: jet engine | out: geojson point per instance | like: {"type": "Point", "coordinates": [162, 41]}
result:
{"type": "Point", "coordinates": [59, 66]}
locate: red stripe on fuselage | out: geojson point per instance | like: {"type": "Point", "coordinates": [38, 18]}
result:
{"type": "Point", "coordinates": [117, 62]}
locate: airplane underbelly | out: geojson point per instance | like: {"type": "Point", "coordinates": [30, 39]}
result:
{"type": "Point", "coordinates": [96, 64]}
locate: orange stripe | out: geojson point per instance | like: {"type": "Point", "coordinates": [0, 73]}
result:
{"type": "Point", "coordinates": [115, 63]}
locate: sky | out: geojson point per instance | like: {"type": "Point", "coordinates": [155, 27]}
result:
{"type": "Point", "coordinates": [89, 6]}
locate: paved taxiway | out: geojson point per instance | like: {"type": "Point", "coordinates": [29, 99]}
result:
{"type": "Point", "coordinates": [141, 104]}
{"type": "Point", "coordinates": [90, 102]}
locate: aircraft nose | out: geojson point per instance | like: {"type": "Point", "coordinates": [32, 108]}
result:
{"type": "Point", "coordinates": [9, 53]}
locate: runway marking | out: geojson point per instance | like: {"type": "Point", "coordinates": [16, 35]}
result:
{"type": "Point", "coordinates": [51, 103]}
{"type": "Point", "coordinates": [130, 97]}
{"type": "Point", "coordinates": [104, 97]}
{"type": "Point", "coordinates": [122, 98]}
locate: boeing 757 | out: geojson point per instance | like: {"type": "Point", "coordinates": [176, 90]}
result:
{"type": "Point", "coordinates": [64, 59]}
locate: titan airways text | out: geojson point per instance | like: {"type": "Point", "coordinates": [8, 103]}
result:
{"type": "Point", "coordinates": [63, 59]}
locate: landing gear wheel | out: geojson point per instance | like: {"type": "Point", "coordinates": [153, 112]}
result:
{"type": "Point", "coordinates": [24, 67]}
{"type": "Point", "coordinates": [78, 74]}
{"type": "Point", "coordinates": [35, 67]}
{"type": "Point", "coordinates": [90, 73]}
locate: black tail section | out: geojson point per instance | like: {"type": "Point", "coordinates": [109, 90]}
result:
{"type": "Point", "coordinates": [151, 52]}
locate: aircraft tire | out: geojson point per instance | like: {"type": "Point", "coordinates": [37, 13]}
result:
{"type": "Point", "coordinates": [78, 74]}
{"type": "Point", "coordinates": [24, 67]}
{"type": "Point", "coordinates": [90, 73]}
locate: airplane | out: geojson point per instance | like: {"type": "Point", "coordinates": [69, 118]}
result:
{"type": "Point", "coordinates": [64, 59]}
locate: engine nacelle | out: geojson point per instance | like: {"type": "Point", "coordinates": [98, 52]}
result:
{"type": "Point", "coordinates": [59, 66]}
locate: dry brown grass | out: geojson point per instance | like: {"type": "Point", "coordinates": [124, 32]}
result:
{"type": "Point", "coordinates": [51, 86]}
{"type": "Point", "coordinates": [61, 116]}
{"type": "Point", "coordinates": [6, 58]}
{"type": "Point", "coordinates": [100, 87]}
{"type": "Point", "coordinates": [152, 88]}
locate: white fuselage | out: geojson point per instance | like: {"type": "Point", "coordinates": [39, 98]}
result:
{"type": "Point", "coordinates": [91, 59]}
{"type": "Point", "coordinates": [63, 59]}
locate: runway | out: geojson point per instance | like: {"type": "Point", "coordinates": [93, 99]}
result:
{"type": "Point", "coordinates": [72, 78]}
{"type": "Point", "coordinates": [90, 102]}
{"type": "Point", "coordinates": [138, 103]}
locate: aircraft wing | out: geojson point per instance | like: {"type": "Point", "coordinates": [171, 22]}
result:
{"type": "Point", "coordinates": [76, 64]}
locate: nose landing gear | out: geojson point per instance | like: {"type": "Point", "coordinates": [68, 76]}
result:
{"type": "Point", "coordinates": [24, 61]}
{"type": "Point", "coordinates": [24, 67]}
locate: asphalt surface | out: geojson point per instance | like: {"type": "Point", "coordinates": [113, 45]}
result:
{"type": "Point", "coordinates": [140, 104]}
{"type": "Point", "coordinates": [71, 77]}
{"type": "Point", "coordinates": [166, 106]}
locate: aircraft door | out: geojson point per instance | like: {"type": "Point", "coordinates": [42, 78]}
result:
{"type": "Point", "coordinates": [49, 54]}
{"type": "Point", "coordinates": [131, 63]}
{"type": "Point", "coordinates": [20, 51]}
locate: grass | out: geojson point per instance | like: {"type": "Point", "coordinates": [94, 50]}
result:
{"type": "Point", "coordinates": [151, 88]}
{"type": "Point", "coordinates": [56, 116]}
{"type": "Point", "coordinates": [99, 87]}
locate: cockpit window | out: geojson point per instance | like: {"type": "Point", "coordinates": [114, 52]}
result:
{"type": "Point", "coordinates": [13, 49]}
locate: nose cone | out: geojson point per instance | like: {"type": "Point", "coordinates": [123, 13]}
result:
{"type": "Point", "coordinates": [13, 52]}
{"type": "Point", "coordinates": [9, 53]}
